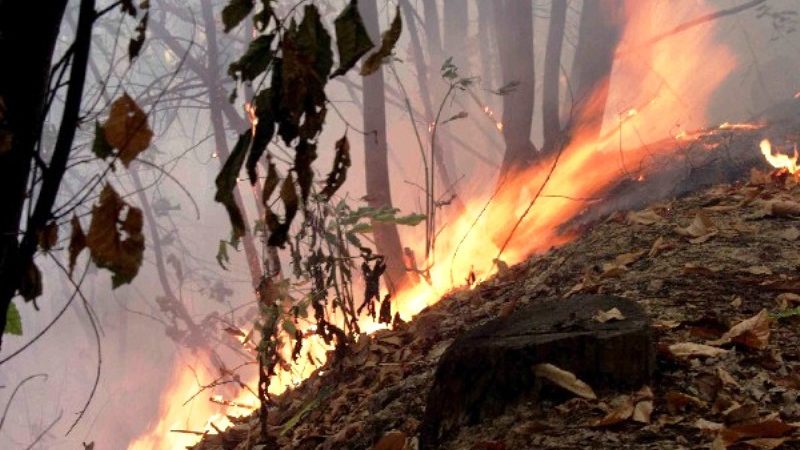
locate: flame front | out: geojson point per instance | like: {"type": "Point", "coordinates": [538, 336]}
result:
{"type": "Point", "coordinates": [650, 91]}
{"type": "Point", "coordinates": [778, 161]}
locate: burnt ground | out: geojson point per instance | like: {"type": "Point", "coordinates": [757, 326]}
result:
{"type": "Point", "coordinates": [698, 265]}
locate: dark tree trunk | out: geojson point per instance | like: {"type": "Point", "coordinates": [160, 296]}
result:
{"type": "Point", "coordinates": [600, 30]}
{"type": "Point", "coordinates": [28, 33]}
{"type": "Point", "coordinates": [514, 28]}
{"type": "Point", "coordinates": [387, 239]}
{"type": "Point", "coordinates": [551, 123]}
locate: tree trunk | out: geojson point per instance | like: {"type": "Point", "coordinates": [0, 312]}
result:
{"type": "Point", "coordinates": [456, 23]}
{"type": "Point", "coordinates": [27, 51]}
{"type": "Point", "coordinates": [600, 30]}
{"type": "Point", "coordinates": [387, 239]}
{"type": "Point", "coordinates": [514, 28]}
{"type": "Point", "coordinates": [432, 32]}
{"type": "Point", "coordinates": [216, 100]}
{"type": "Point", "coordinates": [551, 123]}
{"type": "Point", "coordinates": [487, 42]}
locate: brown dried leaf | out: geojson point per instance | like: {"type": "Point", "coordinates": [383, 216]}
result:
{"type": "Point", "coordinates": [643, 411]}
{"type": "Point", "coordinates": [623, 411]}
{"type": "Point", "coordinates": [77, 242]}
{"type": "Point", "coordinates": [565, 379]}
{"type": "Point", "coordinates": [605, 316]}
{"type": "Point", "coordinates": [753, 332]}
{"type": "Point", "coordinates": [701, 228]}
{"type": "Point", "coordinates": [678, 401]}
{"type": "Point", "coordinates": [645, 217]}
{"type": "Point", "coordinates": [769, 428]}
{"type": "Point", "coordinates": [708, 426]}
{"type": "Point", "coordinates": [689, 349]}
{"type": "Point", "coordinates": [393, 440]}
{"type": "Point", "coordinates": [789, 234]}
{"type": "Point", "coordinates": [126, 129]}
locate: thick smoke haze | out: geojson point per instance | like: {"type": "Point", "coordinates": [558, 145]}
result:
{"type": "Point", "coordinates": [140, 344]}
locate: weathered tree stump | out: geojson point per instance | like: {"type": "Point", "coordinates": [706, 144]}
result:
{"type": "Point", "coordinates": [490, 367]}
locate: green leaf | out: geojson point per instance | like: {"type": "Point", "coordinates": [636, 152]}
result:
{"type": "Point", "coordinates": [255, 60]}
{"type": "Point", "coordinates": [411, 219]}
{"type": "Point", "coordinates": [352, 39]}
{"type": "Point", "coordinates": [288, 326]}
{"type": "Point", "coordinates": [115, 243]}
{"type": "Point", "coordinates": [388, 41]}
{"type": "Point", "coordinates": [13, 321]}
{"type": "Point", "coordinates": [226, 183]}
{"type": "Point", "coordinates": [361, 227]}
{"type": "Point", "coordinates": [101, 148]}
{"type": "Point", "coordinates": [235, 12]}
{"type": "Point", "coordinates": [338, 174]}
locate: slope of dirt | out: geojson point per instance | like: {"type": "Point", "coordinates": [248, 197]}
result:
{"type": "Point", "coordinates": [698, 265]}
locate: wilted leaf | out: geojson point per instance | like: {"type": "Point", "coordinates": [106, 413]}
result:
{"type": "Point", "coordinates": [766, 443]}
{"type": "Point", "coordinates": [689, 349]}
{"type": "Point", "coordinates": [77, 242]}
{"type": "Point", "coordinates": [31, 284]}
{"type": "Point", "coordinates": [646, 217]}
{"type": "Point", "coordinates": [789, 234]}
{"type": "Point", "coordinates": [769, 428]}
{"type": "Point", "coordinates": [13, 321]}
{"type": "Point", "coordinates": [393, 440]}
{"type": "Point", "coordinates": [753, 332]}
{"type": "Point", "coordinates": [234, 12]}
{"type": "Point", "coordinates": [461, 115]}
{"type": "Point", "coordinates": [620, 413]}
{"type": "Point", "coordinates": [222, 254]}
{"type": "Point", "coordinates": [136, 43]}
{"type": "Point", "coordinates": [338, 174]}
{"type": "Point", "coordinates": [101, 148]}
{"type": "Point", "coordinates": [726, 378]}
{"type": "Point", "coordinates": [708, 426]}
{"type": "Point", "coordinates": [352, 39]}
{"type": "Point", "coordinates": [226, 182]}
{"type": "Point", "coordinates": [388, 41]}
{"type": "Point", "coordinates": [48, 237]}
{"type": "Point", "coordinates": [565, 379]}
{"type": "Point", "coordinates": [642, 411]}
{"type": "Point", "coordinates": [255, 60]}
{"type": "Point", "coordinates": [701, 229]}
{"type": "Point", "coordinates": [678, 401]}
{"type": "Point", "coordinates": [126, 129]}
{"type": "Point", "coordinates": [109, 250]}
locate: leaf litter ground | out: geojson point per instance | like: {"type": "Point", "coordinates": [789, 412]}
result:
{"type": "Point", "coordinates": [716, 271]}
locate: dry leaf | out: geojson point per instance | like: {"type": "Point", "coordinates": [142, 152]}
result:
{"type": "Point", "coordinates": [708, 426]}
{"type": "Point", "coordinates": [605, 316]}
{"type": "Point", "coordinates": [766, 443]}
{"type": "Point", "coordinates": [787, 299]}
{"type": "Point", "coordinates": [393, 440]}
{"type": "Point", "coordinates": [726, 378]}
{"type": "Point", "coordinates": [789, 234]}
{"type": "Point", "coordinates": [566, 380]}
{"type": "Point", "coordinates": [126, 129]}
{"type": "Point", "coordinates": [701, 228]}
{"type": "Point", "coordinates": [646, 217]}
{"type": "Point", "coordinates": [759, 270]}
{"type": "Point", "coordinates": [642, 411]}
{"type": "Point", "coordinates": [769, 428]}
{"type": "Point", "coordinates": [753, 332]}
{"type": "Point", "coordinates": [678, 401]}
{"type": "Point", "coordinates": [622, 412]}
{"type": "Point", "coordinates": [659, 245]}
{"type": "Point", "coordinates": [689, 349]}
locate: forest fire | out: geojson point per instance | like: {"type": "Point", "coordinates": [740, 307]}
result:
{"type": "Point", "coordinates": [657, 87]}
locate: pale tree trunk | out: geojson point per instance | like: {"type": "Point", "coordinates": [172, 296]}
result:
{"type": "Point", "coordinates": [456, 22]}
{"type": "Point", "coordinates": [387, 239]}
{"type": "Point", "coordinates": [514, 28]}
{"type": "Point", "coordinates": [487, 42]}
{"type": "Point", "coordinates": [599, 33]}
{"type": "Point", "coordinates": [551, 122]}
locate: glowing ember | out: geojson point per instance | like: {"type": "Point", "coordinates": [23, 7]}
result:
{"type": "Point", "coordinates": [499, 126]}
{"type": "Point", "coordinates": [739, 126]}
{"type": "Point", "coordinates": [779, 161]}
{"type": "Point", "coordinates": [250, 109]}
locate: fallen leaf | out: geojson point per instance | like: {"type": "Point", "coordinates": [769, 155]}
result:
{"type": "Point", "coordinates": [623, 411]}
{"type": "Point", "coordinates": [753, 332]}
{"type": "Point", "coordinates": [393, 440]}
{"type": "Point", "coordinates": [605, 316]}
{"type": "Point", "coordinates": [689, 349]}
{"type": "Point", "coordinates": [787, 299]}
{"type": "Point", "coordinates": [708, 426]}
{"type": "Point", "coordinates": [726, 378]}
{"type": "Point", "coordinates": [659, 245]}
{"type": "Point", "coordinates": [769, 428]}
{"type": "Point", "coordinates": [766, 443]}
{"type": "Point", "coordinates": [701, 228]}
{"type": "Point", "coordinates": [759, 270]}
{"type": "Point", "coordinates": [789, 234]}
{"type": "Point", "coordinates": [642, 411]}
{"type": "Point", "coordinates": [645, 217]}
{"type": "Point", "coordinates": [565, 379]}
{"type": "Point", "coordinates": [678, 401]}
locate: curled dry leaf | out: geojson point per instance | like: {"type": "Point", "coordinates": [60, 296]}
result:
{"type": "Point", "coordinates": [643, 411]}
{"type": "Point", "coordinates": [565, 379]}
{"type": "Point", "coordinates": [126, 129]}
{"type": "Point", "coordinates": [393, 440]}
{"type": "Point", "coordinates": [678, 401]}
{"type": "Point", "coordinates": [768, 428]}
{"type": "Point", "coordinates": [753, 332]}
{"type": "Point", "coordinates": [726, 378]}
{"type": "Point", "coordinates": [708, 426]}
{"type": "Point", "coordinates": [700, 230]}
{"type": "Point", "coordinates": [623, 411]}
{"type": "Point", "coordinates": [645, 217]}
{"type": "Point", "coordinates": [689, 349]}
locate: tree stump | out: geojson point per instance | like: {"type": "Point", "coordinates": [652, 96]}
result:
{"type": "Point", "coordinates": [490, 367]}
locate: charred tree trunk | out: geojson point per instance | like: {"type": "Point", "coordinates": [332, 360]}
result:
{"type": "Point", "coordinates": [600, 31]}
{"type": "Point", "coordinates": [514, 28]}
{"type": "Point", "coordinates": [28, 33]}
{"type": "Point", "coordinates": [551, 122]}
{"type": "Point", "coordinates": [387, 239]}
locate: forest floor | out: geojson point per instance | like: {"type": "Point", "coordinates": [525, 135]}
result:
{"type": "Point", "coordinates": [718, 272]}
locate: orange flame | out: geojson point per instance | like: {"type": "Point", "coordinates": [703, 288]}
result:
{"type": "Point", "coordinates": [250, 109]}
{"type": "Point", "coordinates": [779, 161]}
{"type": "Point", "coordinates": [673, 82]}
